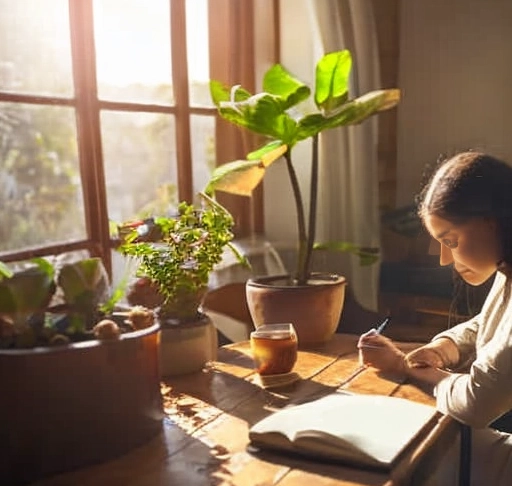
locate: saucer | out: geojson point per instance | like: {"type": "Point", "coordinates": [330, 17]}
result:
{"type": "Point", "coordinates": [275, 381]}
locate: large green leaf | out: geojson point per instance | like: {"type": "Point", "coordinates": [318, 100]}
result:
{"type": "Point", "coordinates": [268, 149]}
{"type": "Point", "coordinates": [350, 113]}
{"type": "Point", "coordinates": [278, 81]}
{"type": "Point", "coordinates": [332, 80]}
{"type": "Point", "coordinates": [241, 177]}
{"type": "Point", "coordinates": [27, 291]}
{"type": "Point", "coordinates": [84, 283]}
{"type": "Point", "coordinates": [219, 92]}
{"type": "Point", "coordinates": [238, 177]}
{"type": "Point", "coordinates": [262, 113]}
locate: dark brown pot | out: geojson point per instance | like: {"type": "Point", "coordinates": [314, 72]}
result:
{"type": "Point", "coordinates": [313, 309]}
{"type": "Point", "coordinates": [70, 406]}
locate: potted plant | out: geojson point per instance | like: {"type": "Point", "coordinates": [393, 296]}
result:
{"type": "Point", "coordinates": [71, 378]}
{"type": "Point", "coordinates": [278, 115]}
{"type": "Point", "coordinates": [175, 256]}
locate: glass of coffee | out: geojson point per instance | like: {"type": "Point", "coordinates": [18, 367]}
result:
{"type": "Point", "coordinates": [274, 348]}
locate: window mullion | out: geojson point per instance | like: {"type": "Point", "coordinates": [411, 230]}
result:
{"type": "Point", "coordinates": [88, 127]}
{"type": "Point", "coordinates": [181, 96]}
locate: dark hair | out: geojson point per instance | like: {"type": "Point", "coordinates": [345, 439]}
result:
{"type": "Point", "coordinates": [471, 185]}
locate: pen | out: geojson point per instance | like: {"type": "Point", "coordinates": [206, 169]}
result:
{"type": "Point", "coordinates": [383, 325]}
{"type": "Point", "coordinates": [362, 344]}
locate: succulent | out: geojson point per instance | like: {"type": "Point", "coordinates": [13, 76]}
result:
{"type": "Point", "coordinates": [28, 314]}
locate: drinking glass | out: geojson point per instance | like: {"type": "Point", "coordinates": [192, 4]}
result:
{"type": "Point", "coordinates": [274, 348]}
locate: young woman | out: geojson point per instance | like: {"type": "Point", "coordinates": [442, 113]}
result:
{"type": "Point", "coordinates": [467, 208]}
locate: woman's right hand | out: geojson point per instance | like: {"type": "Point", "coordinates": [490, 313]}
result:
{"type": "Point", "coordinates": [440, 353]}
{"type": "Point", "coordinates": [380, 352]}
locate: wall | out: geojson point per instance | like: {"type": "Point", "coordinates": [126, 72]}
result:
{"type": "Point", "coordinates": [456, 76]}
{"type": "Point", "coordinates": [452, 61]}
{"type": "Point", "coordinates": [454, 71]}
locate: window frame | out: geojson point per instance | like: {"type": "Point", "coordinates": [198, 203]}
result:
{"type": "Point", "coordinates": [233, 48]}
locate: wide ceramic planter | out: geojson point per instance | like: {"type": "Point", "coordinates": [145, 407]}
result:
{"type": "Point", "coordinates": [74, 405]}
{"type": "Point", "coordinates": [186, 348]}
{"type": "Point", "coordinates": [313, 309]}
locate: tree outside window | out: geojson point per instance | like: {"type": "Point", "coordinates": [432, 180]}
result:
{"type": "Point", "coordinates": [105, 114]}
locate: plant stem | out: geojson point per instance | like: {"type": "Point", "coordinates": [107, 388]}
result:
{"type": "Point", "coordinates": [313, 196]}
{"type": "Point", "coordinates": [301, 220]}
{"type": "Point", "coordinates": [214, 203]}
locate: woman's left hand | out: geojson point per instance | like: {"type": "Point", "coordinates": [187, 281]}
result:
{"type": "Point", "coordinates": [380, 352]}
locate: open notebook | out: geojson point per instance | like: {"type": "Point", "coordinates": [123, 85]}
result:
{"type": "Point", "coordinates": [366, 430]}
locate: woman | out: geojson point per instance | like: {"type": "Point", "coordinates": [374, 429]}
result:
{"type": "Point", "coordinates": [467, 208]}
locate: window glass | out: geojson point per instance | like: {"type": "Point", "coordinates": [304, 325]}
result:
{"type": "Point", "coordinates": [42, 161]}
{"type": "Point", "coordinates": [202, 131]}
{"type": "Point", "coordinates": [133, 54]}
{"type": "Point", "coordinates": [139, 151]}
{"type": "Point", "coordinates": [40, 189]}
{"type": "Point", "coordinates": [35, 52]}
{"type": "Point", "coordinates": [197, 46]}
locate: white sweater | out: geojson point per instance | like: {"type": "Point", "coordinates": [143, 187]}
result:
{"type": "Point", "coordinates": [483, 391]}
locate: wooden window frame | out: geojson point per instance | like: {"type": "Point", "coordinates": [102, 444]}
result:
{"type": "Point", "coordinates": [232, 45]}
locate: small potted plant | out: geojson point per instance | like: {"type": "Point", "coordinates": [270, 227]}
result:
{"type": "Point", "coordinates": [281, 116]}
{"type": "Point", "coordinates": [175, 257]}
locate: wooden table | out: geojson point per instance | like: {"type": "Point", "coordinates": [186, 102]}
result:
{"type": "Point", "coordinates": [207, 415]}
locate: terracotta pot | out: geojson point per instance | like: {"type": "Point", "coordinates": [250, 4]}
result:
{"type": "Point", "coordinates": [70, 406]}
{"type": "Point", "coordinates": [313, 309]}
{"type": "Point", "coordinates": [187, 347]}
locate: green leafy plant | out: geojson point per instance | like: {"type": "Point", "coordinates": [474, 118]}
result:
{"type": "Point", "coordinates": [278, 114]}
{"type": "Point", "coordinates": [182, 253]}
{"type": "Point", "coordinates": [26, 293]}
{"type": "Point", "coordinates": [29, 316]}
{"type": "Point", "coordinates": [85, 286]}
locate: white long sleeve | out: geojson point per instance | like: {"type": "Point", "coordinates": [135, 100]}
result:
{"type": "Point", "coordinates": [482, 395]}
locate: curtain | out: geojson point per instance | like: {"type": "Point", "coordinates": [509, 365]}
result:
{"type": "Point", "coordinates": [348, 204]}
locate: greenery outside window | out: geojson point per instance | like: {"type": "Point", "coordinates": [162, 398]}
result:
{"type": "Point", "coordinates": [105, 110]}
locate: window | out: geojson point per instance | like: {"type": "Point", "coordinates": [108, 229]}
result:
{"type": "Point", "coordinates": [105, 114]}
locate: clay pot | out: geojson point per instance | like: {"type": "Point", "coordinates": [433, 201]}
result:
{"type": "Point", "coordinates": [313, 309]}
{"type": "Point", "coordinates": [74, 405]}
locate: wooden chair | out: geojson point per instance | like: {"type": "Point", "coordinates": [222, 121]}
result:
{"type": "Point", "coordinates": [355, 319]}
{"type": "Point", "coordinates": [227, 307]}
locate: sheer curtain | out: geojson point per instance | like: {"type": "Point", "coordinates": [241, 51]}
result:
{"type": "Point", "coordinates": [349, 202]}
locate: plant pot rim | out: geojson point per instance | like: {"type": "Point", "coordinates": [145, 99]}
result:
{"type": "Point", "coordinates": [316, 278]}
{"type": "Point", "coordinates": [90, 343]}
{"type": "Point", "coordinates": [200, 319]}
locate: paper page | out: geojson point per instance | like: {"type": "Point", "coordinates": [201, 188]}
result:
{"type": "Point", "coordinates": [380, 426]}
